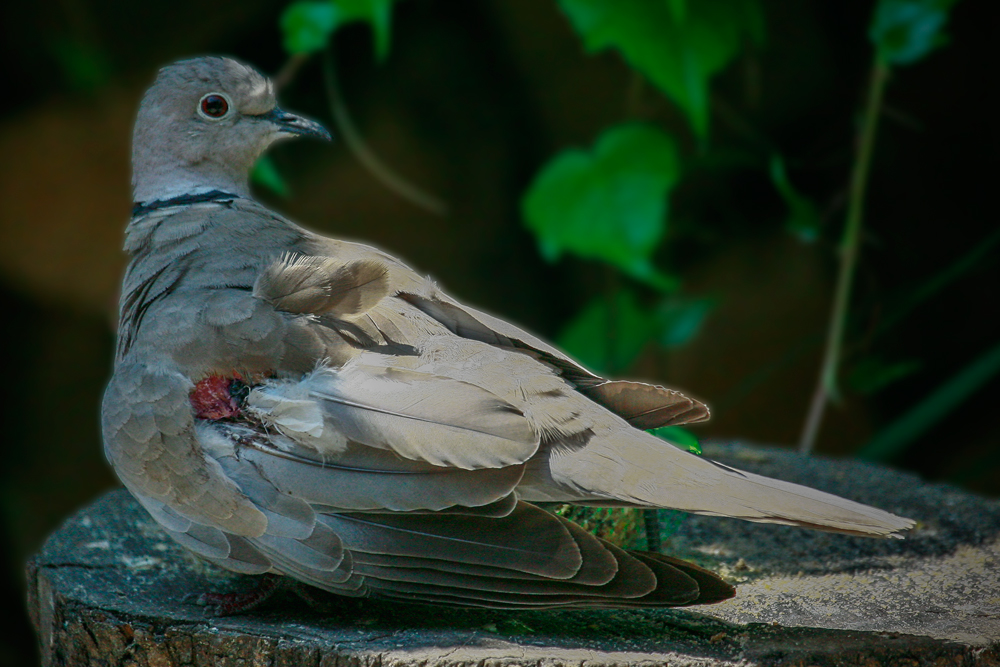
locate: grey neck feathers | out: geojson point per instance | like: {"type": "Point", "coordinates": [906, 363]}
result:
{"type": "Point", "coordinates": [142, 208]}
{"type": "Point", "coordinates": [168, 162]}
{"type": "Point", "coordinates": [153, 186]}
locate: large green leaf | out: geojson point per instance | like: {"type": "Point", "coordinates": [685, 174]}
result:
{"type": "Point", "coordinates": [609, 204]}
{"type": "Point", "coordinates": [307, 24]}
{"type": "Point", "coordinates": [904, 31]}
{"type": "Point", "coordinates": [677, 45]}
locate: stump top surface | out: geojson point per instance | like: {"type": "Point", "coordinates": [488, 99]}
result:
{"type": "Point", "coordinates": [110, 585]}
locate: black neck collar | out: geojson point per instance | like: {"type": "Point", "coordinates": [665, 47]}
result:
{"type": "Point", "coordinates": [142, 208]}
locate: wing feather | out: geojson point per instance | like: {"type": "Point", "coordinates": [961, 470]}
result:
{"type": "Point", "coordinates": [322, 285]}
{"type": "Point", "coordinates": [528, 540]}
{"type": "Point", "coordinates": [364, 489]}
{"type": "Point", "coordinates": [416, 414]}
{"type": "Point", "coordinates": [647, 406]}
{"type": "Point", "coordinates": [642, 405]}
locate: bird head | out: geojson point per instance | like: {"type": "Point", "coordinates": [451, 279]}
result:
{"type": "Point", "coordinates": [203, 124]}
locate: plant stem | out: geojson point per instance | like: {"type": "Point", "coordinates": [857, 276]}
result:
{"type": "Point", "coordinates": [289, 70]}
{"type": "Point", "coordinates": [826, 387]}
{"type": "Point", "coordinates": [365, 155]}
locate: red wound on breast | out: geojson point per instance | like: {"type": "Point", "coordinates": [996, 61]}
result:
{"type": "Point", "coordinates": [211, 398]}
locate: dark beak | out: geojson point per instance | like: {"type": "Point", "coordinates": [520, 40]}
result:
{"type": "Point", "coordinates": [289, 123]}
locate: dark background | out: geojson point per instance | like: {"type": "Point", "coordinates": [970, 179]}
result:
{"type": "Point", "coordinates": [473, 99]}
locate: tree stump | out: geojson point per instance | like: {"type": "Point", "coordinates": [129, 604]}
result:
{"type": "Point", "coordinates": [109, 588]}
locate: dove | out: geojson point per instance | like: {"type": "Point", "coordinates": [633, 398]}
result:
{"type": "Point", "coordinates": [287, 404]}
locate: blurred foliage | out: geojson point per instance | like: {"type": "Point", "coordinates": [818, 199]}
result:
{"type": "Point", "coordinates": [679, 437]}
{"type": "Point", "coordinates": [905, 31]}
{"type": "Point", "coordinates": [873, 374]}
{"type": "Point", "coordinates": [632, 327]}
{"type": "Point", "coordinates": [677, 45]}
{"type": "Point", "coordinates": [679, 318]}
{"type": "Point", "coordinates": [602, 206]}
{"type": "Point", "coordinates": [903, 431]}
{"type": "Point", "coordinates": [935, 285]}
{"type": "Point", "coordinates": [611, 333]}
{"type": "Point", "coordinates": [85, 67]}
{"type": "Point", "coordinates": [803, 217]}
{"type": "Point", "coordinates": [307, 24]}
{"type": "Point", "coordinates": [266, 175]}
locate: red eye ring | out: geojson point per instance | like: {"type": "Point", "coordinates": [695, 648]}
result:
{"type": "Point", "coordinates": [213, 105]}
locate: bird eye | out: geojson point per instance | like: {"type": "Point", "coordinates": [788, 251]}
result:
{"type": "Point", "coordinates": [213, 106]}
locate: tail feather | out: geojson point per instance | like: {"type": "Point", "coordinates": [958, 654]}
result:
{"type": "Point", "coordinates": [776, 501]}
{"type": "Point", "coordinates": [637, 468]}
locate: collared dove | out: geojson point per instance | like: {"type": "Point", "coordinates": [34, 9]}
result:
{"type": "Point", "coordinates": [287, 403]}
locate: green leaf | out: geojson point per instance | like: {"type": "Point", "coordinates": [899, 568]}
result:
{"type": "Point", "coordinates": [904, 31]}
{"type": "Point", "coordinates": [873, 374]}
{"type": "Point", "coordinates": [307, 25]}
{"type": "Point", "coordinates": [679, 437]}
{"type": "Point", "coordinates": [609, 204]}
{"type": "Point", "coordinates": [803, 217]}
{"type": "Point", "coordinates": [677, 45]}
{"type": "Point", "coordinates": [679, 319]}
{"type": "Point", "coordinates": [377, 13]}
{"type": "Point", "coordinates": [266, 175]}
{"type": "Point", "coordinates": [606, 341]}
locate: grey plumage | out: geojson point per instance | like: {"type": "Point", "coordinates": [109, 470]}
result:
{"type": "Point", "coordinates": [284, 402]}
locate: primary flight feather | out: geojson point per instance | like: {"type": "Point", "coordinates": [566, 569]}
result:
{"type": "Point", "coordinates": [291, 404]}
